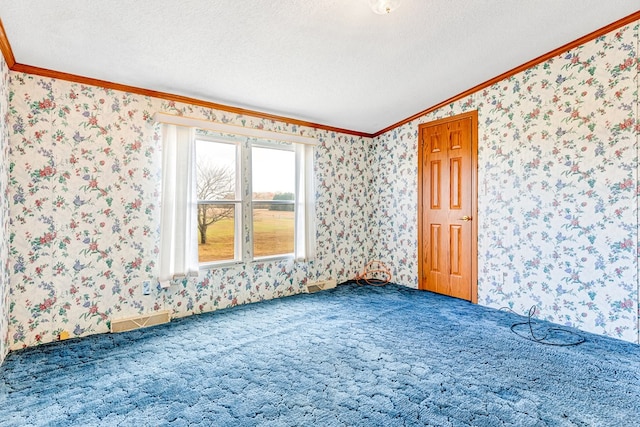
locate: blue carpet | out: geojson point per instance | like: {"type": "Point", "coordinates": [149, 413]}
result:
{"type": "Point", "coordinates": [353, 356]}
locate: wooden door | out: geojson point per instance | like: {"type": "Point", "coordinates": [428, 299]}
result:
{"type": "Point", "coordinates": [447, 190]}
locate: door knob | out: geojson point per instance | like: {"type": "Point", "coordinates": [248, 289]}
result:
{"type": "Point", "coordinates": [466, 218]}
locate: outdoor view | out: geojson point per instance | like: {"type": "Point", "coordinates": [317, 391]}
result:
{"type": "Point", "coordinates": [273, 182]}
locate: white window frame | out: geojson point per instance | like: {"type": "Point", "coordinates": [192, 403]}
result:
{"type": "Point", "coordinates": [271, 146]}
{"type": "Point", "coordinates": [303, 145]}
{"type": "Point", "coordinates": [244, 202]}
{"type": "Point", "coordinates": [237, 201]}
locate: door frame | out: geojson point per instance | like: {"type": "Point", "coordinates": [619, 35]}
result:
{"type": "Point", "coordinates": [473, 115]}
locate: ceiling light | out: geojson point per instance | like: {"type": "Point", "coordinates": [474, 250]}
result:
{"type": "Point", "coordinates": [382, 7]}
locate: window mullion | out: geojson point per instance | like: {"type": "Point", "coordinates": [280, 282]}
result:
{"type": "Point", "coordinates": [247, 210]}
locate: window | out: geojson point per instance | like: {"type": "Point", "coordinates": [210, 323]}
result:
{"type": "Point", "coordinates": [252, 198]}
{"type": "Point", "coordinates": [273, 174]}
{"type": "Point", "coordinates": [209, 171]}
{"type": "Point", "coordinates": [219, 200]}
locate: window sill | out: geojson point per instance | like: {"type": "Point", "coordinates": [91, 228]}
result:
{"type": "Point", "coordinates": [229, 264]}
{"type": "Point", "coordinates": [219, 264]}
{"type": "Point", "coordinates": [272, 258]}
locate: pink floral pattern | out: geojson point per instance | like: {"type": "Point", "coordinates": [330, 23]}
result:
{"type": "Point", "coordinates": [4, 209]}
{"type": "Point", "coordinates": [84, 218]}
{"type": "Point", "coordinates": [558, 189]}
{"type": "Point", "coordinates": [558, 172]}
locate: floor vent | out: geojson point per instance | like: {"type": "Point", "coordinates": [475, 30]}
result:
{"type": "Point", "coordinates": [320, 285]}
{"type": "Point", "coordinates": [130, 323]}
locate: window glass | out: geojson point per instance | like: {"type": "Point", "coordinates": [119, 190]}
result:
{"type": "Point", "coordinates": [216, 175]}
{"type": "Point", "coordinates": [218, 207]}
{"type": "Point", "coordinates": [273, 183]}
{"type": "Point", "coordinates": [274, 172]}
{"type": "Point", "coordinates": [217, 243]}
{"type": "Point", "coordinates": [273, 231]}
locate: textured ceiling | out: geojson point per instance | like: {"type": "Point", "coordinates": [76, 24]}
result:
{"type": "Point", "coordinates": [332, 62]}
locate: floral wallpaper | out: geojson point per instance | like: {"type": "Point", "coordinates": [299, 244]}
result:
{"type": "Point", "coordinates": [558, 189]}
{"type": "Point", "coordinates": [4, 209]}
{"type": "Point", "coordinates": [84, 189]}
{"type": "Point", "coordinates": [557, 208]}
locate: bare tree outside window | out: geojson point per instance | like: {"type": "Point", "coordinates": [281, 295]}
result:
{"type": "Point", "coordinates": [215, 183]}
{"type": "Point", "coordinates": [222, 208]}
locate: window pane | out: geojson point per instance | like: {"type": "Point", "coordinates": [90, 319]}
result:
{"type": "Point", "coordinates": [273, 173]}
{"type": "Point", "coordinates": [216, 232]}
{"type": "Point", "coordinates": [216, 180]}
{"type": "Point", "coordinates": [273, 230]}
{"type": "Point", "coordinates": [273, 178]}
{"type": "Point", "coordinates": [216, 175]}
